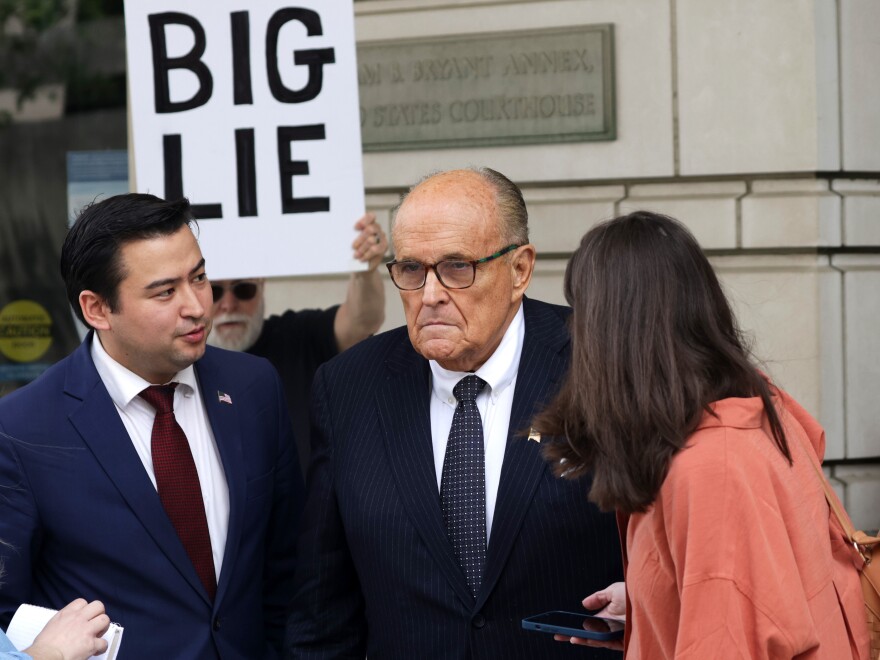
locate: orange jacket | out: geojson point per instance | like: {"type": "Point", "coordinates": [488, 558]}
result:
{"type": "Point", "coordinates": [739, 556]}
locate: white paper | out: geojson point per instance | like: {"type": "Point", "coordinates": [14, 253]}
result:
{"type": "Point", "coordinates": [29, 620]}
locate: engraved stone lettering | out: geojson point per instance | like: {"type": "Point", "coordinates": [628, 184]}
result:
{"type": "Point", "coordinates": [489, 89]}
{"type": "Point", "coordinates": [369, 74]}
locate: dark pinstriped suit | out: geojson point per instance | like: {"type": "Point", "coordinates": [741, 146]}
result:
{"type": "Point", "coordinates": [376, 573]}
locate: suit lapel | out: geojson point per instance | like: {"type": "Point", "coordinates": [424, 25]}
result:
{"type": "Point", "coordinates": [101, 429]}
{"type": "Point", "coordinates": [543, 363]}
{"type": "Point", "coordinates": [226, 426]}
{"type": "Point", "coordinates": [404, 413]}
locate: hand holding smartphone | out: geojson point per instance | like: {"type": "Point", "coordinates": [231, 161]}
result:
{"type": "Point", "coordinates": [572, 624]}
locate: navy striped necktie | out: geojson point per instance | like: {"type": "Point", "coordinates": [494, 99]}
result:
{"type": "Point", "coordinates": [463, 483]}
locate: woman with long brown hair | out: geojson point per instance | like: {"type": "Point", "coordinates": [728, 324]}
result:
{"type": "Point", "coordinates": [731, 552]}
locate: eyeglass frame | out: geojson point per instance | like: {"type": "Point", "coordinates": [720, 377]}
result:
{"type": "Point", "coordinates": [232, 287]}
{"type": "Point", "coordinates": [426, 267]}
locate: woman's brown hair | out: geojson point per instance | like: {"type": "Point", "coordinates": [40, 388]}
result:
{"type": "Point", "coordinates": [654, 342]}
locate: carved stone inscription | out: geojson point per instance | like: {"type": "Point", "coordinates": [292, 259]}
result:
{"type": "Point", "coordinates": [507, 88]}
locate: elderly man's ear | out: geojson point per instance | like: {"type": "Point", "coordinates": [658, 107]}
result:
{"type": "Point", "coordinates": [523, 265]}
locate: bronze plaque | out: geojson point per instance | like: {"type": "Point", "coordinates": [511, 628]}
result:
{"type": "Point", "coordinates": [490, 89]}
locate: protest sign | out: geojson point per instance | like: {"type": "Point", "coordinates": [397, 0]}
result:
{"type": "Point", "coordinates": [251, 111]}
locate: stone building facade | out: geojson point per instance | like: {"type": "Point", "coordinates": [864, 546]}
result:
{"type": "Point", "coordinates": [756, 124]}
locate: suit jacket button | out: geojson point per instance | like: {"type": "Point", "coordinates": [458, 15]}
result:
{"type": "Point", "coordinates": [216, 624]}
{"type": "Point", "coordinates": [478, 621]}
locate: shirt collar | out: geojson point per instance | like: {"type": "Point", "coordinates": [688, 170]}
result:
{"type": "Point", "coordinates": [735, 412]}
{"type": "Point", "coordinates": [499, 371]}
{"type": "Point", "coordinates": [123, 385]}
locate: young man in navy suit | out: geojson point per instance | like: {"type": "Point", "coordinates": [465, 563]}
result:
{"type": "Point", "coordinates": [143, 469]}
{"type": "Point", "coordinates": [433, 525]}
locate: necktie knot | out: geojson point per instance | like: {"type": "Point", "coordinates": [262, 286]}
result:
{"type": "Point", "coordinates": [468, 388]}
{"type": "Point", "coordinates": [161, 397]}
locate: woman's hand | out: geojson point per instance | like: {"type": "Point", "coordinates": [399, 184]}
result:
{"type": "Point", "coordinates": [74, 633]}
{"type": "Point", "coordinates": [611, 603]}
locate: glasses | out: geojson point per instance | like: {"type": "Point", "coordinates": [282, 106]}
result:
{"type": "Point", "coordinates": [451, 273]}
{"type": "Point", "coordinates": [241, 290]}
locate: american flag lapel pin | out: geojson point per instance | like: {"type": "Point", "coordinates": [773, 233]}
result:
{"type": "Point", "coordinates": [223, 397]}
{"type": "Point", "coordinates": [534, 435]}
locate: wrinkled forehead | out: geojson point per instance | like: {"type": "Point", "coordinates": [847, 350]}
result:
{"type": "Point", "coordinates": [446, 215]}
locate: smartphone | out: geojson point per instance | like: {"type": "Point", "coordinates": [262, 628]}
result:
{"type": "Point", "coordinates": [573, 624]}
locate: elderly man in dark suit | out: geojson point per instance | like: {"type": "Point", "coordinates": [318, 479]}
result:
{"type": "Point", "coordinates": [143, 469]}
{"type": "Point", "coordinates": [432, 525]}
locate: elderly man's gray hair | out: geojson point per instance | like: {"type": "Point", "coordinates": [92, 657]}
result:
{"type": "Point", "coordinates": [513, 214]}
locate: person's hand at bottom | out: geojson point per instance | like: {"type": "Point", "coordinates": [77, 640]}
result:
{"type": "Point", "coordinates": [74, 633]}
{"type": "Point", "coordinates": [611, 603]}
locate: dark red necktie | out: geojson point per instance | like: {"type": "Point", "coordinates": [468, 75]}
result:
{"type": "Point", "coordinates": [178, 483]}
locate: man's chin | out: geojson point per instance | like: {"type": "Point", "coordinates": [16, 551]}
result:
{"type": "Point", "coordinates": [236, 334]}
{"type": "Point", "coordinates": [230, 341]}
{"type": "Point", "coordinates": [437, 348]}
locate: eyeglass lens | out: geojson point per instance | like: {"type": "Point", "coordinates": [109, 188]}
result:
{"type": "Point", "coordinates": [410, 275]}
{"type": "Point", "coordinates": [241, 290]}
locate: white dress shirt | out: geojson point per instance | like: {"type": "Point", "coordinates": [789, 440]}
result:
{"type": "Point", "coordinates": [494, 403]}
{"type": "Point", "coordinates": [137, 415]}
